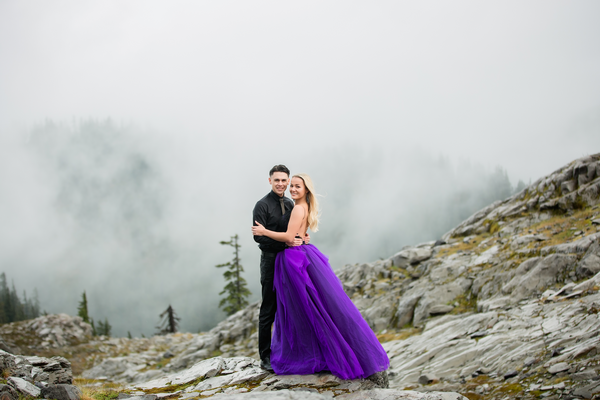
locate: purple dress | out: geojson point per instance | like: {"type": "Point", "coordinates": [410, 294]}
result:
{"type": "Point", "coordinates": [317, 327]}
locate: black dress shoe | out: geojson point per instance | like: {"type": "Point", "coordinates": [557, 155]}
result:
{"type": "Point", "coordinates": [266, 365]}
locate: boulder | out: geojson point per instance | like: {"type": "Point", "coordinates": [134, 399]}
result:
{"type": "Point", "coordinates": [406, 309]}
{"type": "Point", "coordinates": [440, 309]}
{"type": "Point", "coordinates": [24, 387]}
{"type": "Point", "coordinates": [411, 256]}
{"type": "Point", "coordinates": [8, 393]}
{"type": "Point", "coordinates": [590, 263]}
{"type": "Point", "coordinates": [61, 392]}
{"type": "Point", "coordinates": [548, 271]}
{"type": "Point", "coordinates": [203, 369]}
{"type": "Point", "coordinates": [7, 361]}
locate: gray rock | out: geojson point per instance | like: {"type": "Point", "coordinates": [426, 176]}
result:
{"type": "Point", "coordinates": [567, 186]}
{"type": "Point", "coordinates": [556, 368]}
{"type": "Point", "coordinates": [584, 375]}
{"type": "Point", "coordinates": [589, 265]}
{"type": "Point", "coordinates": [5, 347]}
{"type": "Point", "coordinates": [8, 393]}
{"type": "Point", "coordinates": [511, 374]}
{"type": "Point", "coordinates": [62, 392]}
{"type": "Point", "coordinates": [317, 380]}
{"type": "Point", "coordinates": [548, 271]}
{"type": "Point", "coordinates": [426, 379]}
{"type": "Point", "coordinates": [529, 361]}
{"type": "Point", "coordinates": [397, 394]}
{"type": "Point", "coordinates": [7, 361]}
{"type": "Point", "coordinates": [588, 284]}
{"type": "Point", "coordinates": [406, 309]}
{"type": "Point", "coordinates": [411, 256]}
{"type": "Point", "coordinates": [380, 379]}
{"type": "Point", "coordinates": [22, 386]}
{"type": "Point", "coordinates": [479, 334]}
{"type": "Point", "coordinates": [440, 309]}
{"type": "Point", "coordinates": [583, 392]}
{"type": "Point", "coordinates": [278, 395]}
{"type": "Point", "coordinates": [203, 369]}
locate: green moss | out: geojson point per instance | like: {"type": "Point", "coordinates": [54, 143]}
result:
{"type": "Point", "coordinates": [403, 271]}
{"type": "Point", "coordinates": [510, 388]}
{"type": "Point", "coordinates": [173, 388]}
{"type": "Point", "coordinates": [105, 395]}
{"type": "Point", "coordinates": [467, 302]}
{"type": "Point", "coordinates": [472, 396]}
{"type": "Point", "coordinates": [494, 227]}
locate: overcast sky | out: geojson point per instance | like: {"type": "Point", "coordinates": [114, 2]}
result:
{"type": "Point", "coordinates": [219, 91]}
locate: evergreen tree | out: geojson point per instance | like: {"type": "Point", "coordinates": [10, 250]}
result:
{"type": "Point", "coordinates": [104, 328]}
{"type": "Point", "coordinates": [82, 310]}
{"type": "Point", "coordinates": [169, 321]}
{"type": "Point", "coordinates": [94, 331]}
{"type": "Point", "coordinates": [237, 292]}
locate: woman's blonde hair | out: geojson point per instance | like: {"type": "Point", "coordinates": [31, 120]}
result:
{"type": "Point", "coordinates": [311, 200]}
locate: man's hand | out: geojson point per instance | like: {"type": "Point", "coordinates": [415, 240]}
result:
{"type": "Point", "coordinates": [306, 238]}
{"type": "Point", "coordinates": [258, 230]}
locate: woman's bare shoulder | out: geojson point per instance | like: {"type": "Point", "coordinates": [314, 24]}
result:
{"type": "Point", "coordinates": [300, 208]}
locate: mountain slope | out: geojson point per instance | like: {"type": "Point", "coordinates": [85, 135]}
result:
{"type": "Point", "coordinates": [506, 304]}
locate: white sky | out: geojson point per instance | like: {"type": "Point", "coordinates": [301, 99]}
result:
{"type": "Point", "coordinates": [496, 82]}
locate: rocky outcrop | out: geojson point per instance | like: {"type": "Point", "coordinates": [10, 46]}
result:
{"type": "Point", "coordinates": [45, 332]}
{"type": "Point", "coordinates": [242, 377]}
{"type": "Point", "coordinates": [37, 377]}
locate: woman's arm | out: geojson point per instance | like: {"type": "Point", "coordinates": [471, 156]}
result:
{"type": "Point", "coordinates": [293, 229]}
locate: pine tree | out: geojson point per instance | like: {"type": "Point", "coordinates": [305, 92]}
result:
{"type": "Point", "coordinates": [237, 292]}
{"type": "Point", "coordinates": [6, 299]}
{"type": "Point", "coordinates": [36, 303]}
{"type": "Point", "coordinates": [104, 328]}
{"type": "Point", "coordinates": [169, 321]}
{"type": "Point", "coordinates": [82, 310]}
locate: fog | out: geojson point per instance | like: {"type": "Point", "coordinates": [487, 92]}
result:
{"type": "Point", "coordinates": [134, 136]}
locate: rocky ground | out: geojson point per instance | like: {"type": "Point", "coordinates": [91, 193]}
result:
{"type": "Point", "coordinates": [503, 306]}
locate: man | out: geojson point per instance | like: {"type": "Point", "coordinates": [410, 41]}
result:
{"type": "Point", "coordinates": [269, 211]}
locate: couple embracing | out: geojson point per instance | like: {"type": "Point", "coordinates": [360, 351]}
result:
{"type": "Point", "coordinates": [316, 327]}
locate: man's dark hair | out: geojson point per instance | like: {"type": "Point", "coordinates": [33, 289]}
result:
{"type": "Point", "coordinates": [279, 168]}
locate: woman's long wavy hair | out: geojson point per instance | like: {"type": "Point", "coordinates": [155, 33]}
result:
{"type": "Point", "coordinates": [311, 200]}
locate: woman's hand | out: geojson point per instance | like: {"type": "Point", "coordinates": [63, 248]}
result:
{"type": "Point", "coordinates": [296, 242]}
{"type": "Point", "coordinates": [258, 230]}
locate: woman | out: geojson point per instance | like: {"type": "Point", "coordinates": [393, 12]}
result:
{"type": "Point", "coordinates": [317, 327]}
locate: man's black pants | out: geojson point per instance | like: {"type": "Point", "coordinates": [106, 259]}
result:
{"type": "Point", "coordinates": [269, 304]}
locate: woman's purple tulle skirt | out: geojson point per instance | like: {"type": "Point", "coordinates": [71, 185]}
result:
{"type": "Point", "coordinates": [317, 327]}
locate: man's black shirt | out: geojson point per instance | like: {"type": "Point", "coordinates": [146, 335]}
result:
{"type": "Point", "coordinates": [267, 212]}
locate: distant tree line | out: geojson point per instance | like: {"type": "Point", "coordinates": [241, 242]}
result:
{"type": "Point", "coordinates": [13, 308]}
